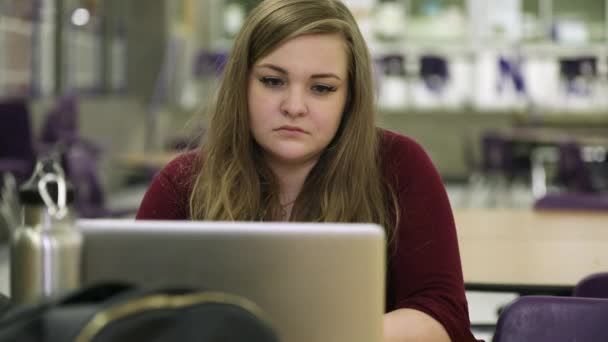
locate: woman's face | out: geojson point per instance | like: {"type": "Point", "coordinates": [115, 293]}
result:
{"type": "Point", "coordinates": [296, 97]}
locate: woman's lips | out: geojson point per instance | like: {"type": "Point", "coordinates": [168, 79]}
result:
{"type": "Point", "coordinates": [293, 129]}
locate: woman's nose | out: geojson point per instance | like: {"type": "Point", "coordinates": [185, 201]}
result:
{"type": "Point", "coordinates": [294, 102]}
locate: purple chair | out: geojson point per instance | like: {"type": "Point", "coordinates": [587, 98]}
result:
{"type": "Point", "coordinates": [499, 157]}
{"type": "Point", "coordinates": [17, 153]}
{"type": "Point", "coordinates": [592, 286]}
{"type": "Point", "coordinates": [572, 201]}
{"type": "Point", "coordinates": [572, 172]}
{"type": "Point", "coordinates": [495, 170]}
{"type": "Point", "coordinates": [81, 169]}
{"type": "Point", "coordinates": [60, 131]}
{"type": "Point", "coordinates": [209, 63]}
{"type": "Point", "coordinates": [553, 319]}
{"type": "Point", "coordinates": [574, 175]}
{"type": "Point", "coordinates": [89, 197]}
{"type": "Point", "coordinates": [61, 122]}
{"type": "Point", "coordinates": [496, 154]}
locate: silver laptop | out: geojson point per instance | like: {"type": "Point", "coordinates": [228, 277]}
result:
{"type": "Point", "coordinates": [317, 282]}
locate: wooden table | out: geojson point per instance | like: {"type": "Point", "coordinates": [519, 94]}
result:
{"type": "Point", "coordinates": [523, 250]}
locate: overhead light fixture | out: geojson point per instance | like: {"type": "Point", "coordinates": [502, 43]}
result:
{"type": "Point", "coordinates": [81, 16]}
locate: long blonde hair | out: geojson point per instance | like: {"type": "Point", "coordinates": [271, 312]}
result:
{"type": "Point", "coordinates": [346, 184]}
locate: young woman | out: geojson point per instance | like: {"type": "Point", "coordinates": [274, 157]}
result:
{"type": "Point", "coordinates": [292, 137]}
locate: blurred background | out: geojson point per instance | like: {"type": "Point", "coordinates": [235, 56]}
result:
{"type": "Point", "coordinates": [492, 89]}
{"type": "Point", "coordinates": [509, 97]}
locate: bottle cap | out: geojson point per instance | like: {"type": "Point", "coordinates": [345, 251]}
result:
{"type": "Point", "coordinates": [48, 175]}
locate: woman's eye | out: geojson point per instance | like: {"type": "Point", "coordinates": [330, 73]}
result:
{"type": "Point", "coordinates": [271, 81]}
{"type": "Point", "coordinates": [323, 89]}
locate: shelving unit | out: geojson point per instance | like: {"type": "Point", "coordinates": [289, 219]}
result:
{"type": "Point", "coordinates": [530, 32]}
{"type": "Point", "coordinates": [108, 68]}
{"type": "Point", "coordinates": [44, 52]}
{"type": "Point", "coordinates": [16, 31]}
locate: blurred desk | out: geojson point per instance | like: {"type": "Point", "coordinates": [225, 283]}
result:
{"type": "Point", "coordinates": [530, 251]}
{"type": "Point", "coordinates": [147, 159]}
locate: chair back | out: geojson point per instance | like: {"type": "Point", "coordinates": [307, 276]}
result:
{"type": "Point", "coordinates": [82, 172]}
{"type": "Point", "coordinates": [573, 201]}
{"type": "Point", "coordinates": [210, 63]}
{"type": "Point", "coordinates": [553, 319]}
{"type": "Point", "coordinates": [17, 153]}
{"type": "Point", "coordinates": [61, 122]}
{"type": "Point", "coordinates": [496, 153]}
{"type": "Point", "coordinates": [594, 285]}
{"type": "Point", "coordinates": [572, 171]}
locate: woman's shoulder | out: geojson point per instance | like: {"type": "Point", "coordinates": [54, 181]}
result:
{"type": "Point", "coordinates": [403, 157]}
{"type": "Point", "coordinates": [184, 161]}
{"type": "Point", "coordinates": [393, 144]}
{"type": "Point", "coordinates": [183, 167]}
{"type": "Point", "coordinates": [168, 194]}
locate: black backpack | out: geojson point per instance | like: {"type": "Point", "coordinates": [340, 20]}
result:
{"type": "Point", "coordinates": [121, 313]}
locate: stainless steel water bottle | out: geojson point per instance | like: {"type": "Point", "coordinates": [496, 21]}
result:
{"type": "Point", "coordinates": [45, 248]}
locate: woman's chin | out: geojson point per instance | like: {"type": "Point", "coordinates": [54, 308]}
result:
{"type": "Point", "coordinates": [294, 157]}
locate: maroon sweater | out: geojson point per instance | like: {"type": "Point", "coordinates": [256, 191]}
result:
{"type": "Point", "coordinates": [425, 272]}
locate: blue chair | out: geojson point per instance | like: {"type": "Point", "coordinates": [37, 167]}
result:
{"type": "Point", "coordinates": [553, 319]}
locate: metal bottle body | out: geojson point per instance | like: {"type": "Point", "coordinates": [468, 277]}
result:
{"type": "Point", "coordinates": [45, 249]}
{"type": "Point", "coordinates": [45, 256]}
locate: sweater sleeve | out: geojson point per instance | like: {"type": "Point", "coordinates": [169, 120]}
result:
{"type": "Point", "coordinates": [424, 271]}
{"type": "Point", "coordinates": [168, 195]}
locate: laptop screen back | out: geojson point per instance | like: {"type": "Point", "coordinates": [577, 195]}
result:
{"type": "Point", "coordinates": [317, 282]}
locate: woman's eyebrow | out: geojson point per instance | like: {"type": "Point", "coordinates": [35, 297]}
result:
{"type": "Point", "coordinates": [283, 71]}
{"type": "Point", "coordinates": [326, 75]}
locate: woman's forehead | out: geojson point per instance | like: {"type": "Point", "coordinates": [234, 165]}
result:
{"type": "Point", "coordinates": [314, 54]}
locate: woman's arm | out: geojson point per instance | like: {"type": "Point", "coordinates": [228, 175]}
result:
{"type": "Point", "coordinates": [424, 276]}
{"type": "Point", "coordinates": [404, 325]}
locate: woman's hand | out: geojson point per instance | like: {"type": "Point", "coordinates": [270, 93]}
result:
{"type": "Point", "coordinates": [405, 325]}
